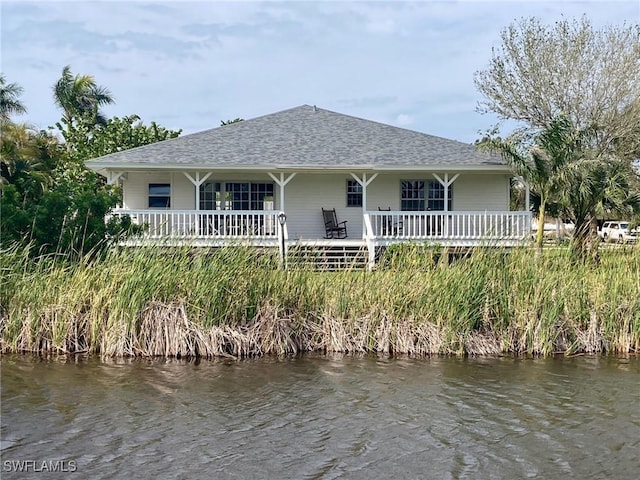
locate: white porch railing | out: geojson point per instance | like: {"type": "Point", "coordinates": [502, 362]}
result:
{"type": "Point", "coordinates": [475, 226]}
{"type": "Point", "coordinates": [204, 224]}
{"type": "Point", "coordinates": [472, 227]}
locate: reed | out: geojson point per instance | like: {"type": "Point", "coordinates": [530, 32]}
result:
{"type": "Point", "coordinates": [237, 302]}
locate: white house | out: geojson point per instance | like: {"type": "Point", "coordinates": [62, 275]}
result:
{"type": "Point", "coordinates": [389, 184]}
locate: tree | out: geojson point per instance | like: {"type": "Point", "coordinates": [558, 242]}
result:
{"type": "Point", "coordinates": [50, 200]}
{"type": "Point", "coordinates": [27, 157]}
{"type": "Point", "coordinates": [80, 97]}
{"type": "Point", "coordinates": [590, 76]}
{"type": "Point", "coordinates": [594, 185]}
{"type": "Point", "coordinates": [78, 204]}
{"type": "Point", "coordinates": [86, 140]}
{"type": "Point", "coordinates": [563, 170]}
{"type": "Point", "coordinates": [9, 102]}
{"type": "Point", "coordinates": [540, 164]}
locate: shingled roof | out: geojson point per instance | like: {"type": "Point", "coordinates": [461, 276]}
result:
{"type": "Point", "coordinates": [303, 137]}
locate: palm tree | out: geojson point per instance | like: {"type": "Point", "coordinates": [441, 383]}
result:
{"type": "Point", "coordinates": [26, 155]}
{"type": "Point", "coordinates": [597, 184]}
{"type": "Point", "coordinates": [80, 97]}
{"type": "Point", "coordinates": [541, 164]}
{"type": "Point", "coordinates": [561, 166]}
{"type": "Point", "coordinates": [9, 103]}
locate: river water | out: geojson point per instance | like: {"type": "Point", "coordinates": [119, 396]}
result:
{"type": "Point", "coordinates": [321, 417]}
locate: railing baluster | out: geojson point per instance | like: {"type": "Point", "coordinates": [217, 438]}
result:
{"type": "Point", "coordinates": [480, 226]}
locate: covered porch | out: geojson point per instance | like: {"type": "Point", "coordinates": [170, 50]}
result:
{"type": "Point", "coordinates": [271, 228]}
{"type": "Point", "coordinates": [390, 205]}
{"type": "Point", "coordinates": [269, 181]}
{"type": "Point", "coordinates": [251, 208]}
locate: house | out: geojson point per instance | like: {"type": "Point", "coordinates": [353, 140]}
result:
{"type": "Point", "coordinates": [239, 182]}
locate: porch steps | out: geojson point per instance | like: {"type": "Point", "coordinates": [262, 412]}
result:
{"type": "Point", "coordinates": [328, 257]}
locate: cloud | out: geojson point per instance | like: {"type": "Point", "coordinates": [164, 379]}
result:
{"type": "Point", "coordinates": [193, 64]}
{"type": "Point", "coordinates": [403, 119]}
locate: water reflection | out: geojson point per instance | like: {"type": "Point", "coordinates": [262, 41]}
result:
{"type": "Point", "coordinates": [325, 417]}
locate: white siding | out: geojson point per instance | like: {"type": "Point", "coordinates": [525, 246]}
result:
{"type": "Point", "coordinates": [305, 197]}
{"type": "Point", "coordinates": [183, 194]}
{"type": "Point", "coordinates": [307, 193]}
{"type": "Point", "coordinates": [135, 189]}
{"type": "Point", "coordinates": [384, 192]}
{"type": "Point", "coordinates": [481, 192]}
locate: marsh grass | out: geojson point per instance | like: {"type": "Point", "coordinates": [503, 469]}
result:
{"type": "Point", "coordinates": [237, 302]}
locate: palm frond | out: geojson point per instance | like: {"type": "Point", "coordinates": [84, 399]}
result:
{"type": "Point", "coordinates": [79, 95]}
{"type": "Point", "coordinates": [9, 102]}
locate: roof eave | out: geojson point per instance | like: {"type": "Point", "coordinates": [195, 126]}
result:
{"type": "Point", "coordinates": [103, 167]}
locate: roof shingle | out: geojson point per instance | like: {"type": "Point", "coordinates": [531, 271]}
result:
{"type": "Point", "coordinates": [303, 136]}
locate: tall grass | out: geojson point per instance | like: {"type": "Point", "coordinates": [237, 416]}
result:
{"type": "Point", "coordinates": [236, 302]}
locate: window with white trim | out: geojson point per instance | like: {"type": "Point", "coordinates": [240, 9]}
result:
{"type": "Point", "coordinates": [354, 194]}
{"type": "Point", "coordinates": [239, 195]}
{"type": "Point", "coordinates": [159, 195]}
{"type": "Point", "coordinates": [435, 197]}
{"type": "Point", "coordinates": [258, 193]}
{"type": "Point", "coordinates": [412, 195]}
{"type": "Point", "coordinates": [414, 198]}
{"type": "Point", "coordinates": [210, 196]}
{"type": "Point", "coordinates": [236, 195]}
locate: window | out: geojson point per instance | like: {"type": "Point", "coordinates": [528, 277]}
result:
{"type": "Point", "coordinates": [159, 195]}
{"type": "Point", "coordinates": [435, 199]}
{"type": "Point", "coordinates": [239, 195]}
{"type": "Point", "coordinates": [210, 196]}
{"type": "Point", "coordinates": [354, 194]}
{"type": "Point", "coordinates": [236, 195]}
{"type": "Point", "coordinates": [412, 196]}
{"type": "Point", "coordinates": [258, 192]}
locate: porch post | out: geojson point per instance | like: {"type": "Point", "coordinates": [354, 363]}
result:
{"type": "Point", "coordinates": [364, 192]}
{"type": "Point", "coordinates": [281, 182]}
{"type": "Point", "coordinates": [446, 183]}
{"type": "Point", "coordinates": [527, 202]}
{"type": "Point", "coordinates": [113, 177]}
{"type": "Point", "coordinates": [197, 185]}
{"type": "Point", "coordinates": [197, 182]}
{"type": "Point", "coordinates": [527, 194]}
{"type": "Point", "coordinates": [364, 183]}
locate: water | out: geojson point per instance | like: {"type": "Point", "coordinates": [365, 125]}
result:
{"type": "Point", "coordinates": [322, 417]}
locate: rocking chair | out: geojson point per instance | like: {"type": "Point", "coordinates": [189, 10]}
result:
{"type": "Point", "coordinates": [333, 228]}
{"type": "Point", "coordinates": [389, 226]}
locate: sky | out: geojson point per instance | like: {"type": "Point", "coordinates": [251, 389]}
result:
{"type": "Point", "coordinates": [189, 65]}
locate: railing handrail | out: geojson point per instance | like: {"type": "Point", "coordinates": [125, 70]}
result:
{"type": "Point", "coordinates": [170, 211]}
{"type": "Point", "coordinates": [377, 225]}
{"type": "Point", "coordinates": [387, 213]}
{"type": "Point", "coordinates": [449, 225]}
{"type": "Point", "coordinates": [275, 212]}
{"type": "Point", "coordinates": [209, 224]}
